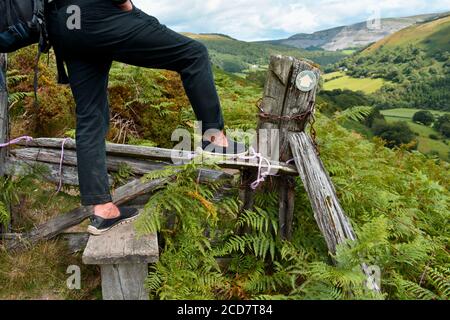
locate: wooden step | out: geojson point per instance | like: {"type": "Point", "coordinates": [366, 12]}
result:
{"type": "Point", "coordinates": [124, 258]}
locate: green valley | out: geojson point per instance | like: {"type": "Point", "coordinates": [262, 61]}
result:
{"type": "Point", "coordinates": [400, 75]}
{"type": "Point", "coordinates": [243, 57]}
{"type": "Point", "coordinates": [430, 140]}
{"type": "Point", "coordinates": [339, 80]}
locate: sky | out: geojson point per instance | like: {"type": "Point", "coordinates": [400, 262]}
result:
{"type": "Point", "coordinates": [252, 20]}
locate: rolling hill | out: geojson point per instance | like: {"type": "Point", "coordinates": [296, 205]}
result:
{"type": "Point", "coordinates": [433, 36]}
{"type": "Point", "coordinates": [237, 56]}
{"type": "Point", "coordinates": [412, 68]}
{"type": "Point", "coordinates": [356, 35]}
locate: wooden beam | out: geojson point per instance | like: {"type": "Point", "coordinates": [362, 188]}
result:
{"type": "Point", "coordinates": [57, 225]}
{"type": "Point", "coordinates": [16, 166]}
{"type": "Point", "coordinates": [4, 123]}
{"type": "Point", "coordinates": [157, 154]}
{"type": "Point", "coordinates": [70, 158]}
{"type": "Point", "coordinates": [75, 241]}
{"type": "Point", "coordinates": [332, 221]}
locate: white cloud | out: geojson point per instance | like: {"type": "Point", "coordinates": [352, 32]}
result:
{"type": "Point", "coordinates": [266, 19]}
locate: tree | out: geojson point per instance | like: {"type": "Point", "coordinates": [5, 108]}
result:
{"type": "Point", "coordinates": [395, 134]}
{"type": "Point", "coordinates": [424, 117]}
{"type": "Point", "coordinates": [443, 125]}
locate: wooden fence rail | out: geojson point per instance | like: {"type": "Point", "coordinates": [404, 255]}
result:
{"type": "Point", "coordinates": [286, 110]}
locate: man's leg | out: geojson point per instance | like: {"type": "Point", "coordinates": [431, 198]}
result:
{"type": "Point", "coordinates": [89, 83]}
{"type": "Point", "coordinates": [153, 45]}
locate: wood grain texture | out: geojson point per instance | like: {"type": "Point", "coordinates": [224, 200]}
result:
{"type": "Point", "coordinates": [148, 155]}
{"type": "Point", "coordinates": [59, 224]}
{"type": "Point", "coordinates": [4, 123]}
{"type": "Point", "coordinates": [16, 166]}
{"type": "Point", "coordinates": [332, 221]}
{"type": "Point", "coordinates": [124, 282]}
{"type": "Point", "coordinates": [70, 158]}
{"type": "Point", "coordinates": [283, 99]}
{"type": "Point", "coordinates": [121, 245]}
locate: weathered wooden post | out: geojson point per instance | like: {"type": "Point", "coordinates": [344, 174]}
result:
{"type": "Point", "coordinates": [4, 120]}
{"type": "Point", "coordinates": [289, 105]}
{"type": "Point", "coordinates": [3, 111]}
{"type": "Point", "coordinates": [286, 108]}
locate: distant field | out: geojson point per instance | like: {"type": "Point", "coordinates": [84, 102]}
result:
{"type": "Point", "coordinates": [348, 51]}
{"type": "Point", "coordinates": [408, 113]}
{"type": "Point", "coordinates": [426, 145]}
{"type": "Point", "coordinates": [339, 80]}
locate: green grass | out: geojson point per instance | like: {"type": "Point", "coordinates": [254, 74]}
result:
{"type": "Point", "coordinates": [343, 81]}
{"type": "Point", "coordinates": [408, 113]}
{"type": "Point", "coordinates": [426, 145]}
{"type": "Point", "coordinates": [348, 51]}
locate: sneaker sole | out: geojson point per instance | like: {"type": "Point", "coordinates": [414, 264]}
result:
{"type": "Point", "coordinates": [97, 232]}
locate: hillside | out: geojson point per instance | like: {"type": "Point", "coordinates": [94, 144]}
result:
{"type": "Point", "coordinates": [356, 35]}
{"type": "Point", "coordinates": [432, 36]}
{"type": "Point", "coordinates": [241, 57]}
{"type": "Point", "coordinates": [409, 70]}
{"type": "Point", "coordinates": [415, 60]}
{"type": "Point", "coordinates": [396, 200]}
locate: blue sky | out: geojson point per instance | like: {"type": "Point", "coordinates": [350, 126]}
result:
{"type": "Point", "coordinates": [272, 19]}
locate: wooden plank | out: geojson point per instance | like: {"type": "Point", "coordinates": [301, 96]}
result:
{"type": "Point", "coordinates": [246, 196]}
{"type": "Point", "coordinates": [121, 245]}
{"type": "Point", "coordinates": [166, 155]}
{"type": "Point", "coordinates": [286, 198]}
{"type": "Point", "coordinates": [57, 225]}
{"type": "Point", "coordinates": [75, 241]}
{"type": "Point", "coordinates": [70, 158]}
{"type": "Point", "coordinates": [124, 282]}
{"type": "Point", "coordinates": [16, 166]}
{"type": "Point", "coordinates": [4, 123]}
{"type": "Point", "coordinates": [332, 221]}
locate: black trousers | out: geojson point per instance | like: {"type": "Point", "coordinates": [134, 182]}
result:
{"type": "Point", "coordinates": [108, 34]}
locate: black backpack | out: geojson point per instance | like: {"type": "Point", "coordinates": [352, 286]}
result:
{"type": "Point", "coordinates": [22, 23]}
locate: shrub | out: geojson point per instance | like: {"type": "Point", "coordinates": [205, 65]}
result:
{"type": "Point", "coordinates": [424, 117]}
{"type": "Point", "coordinates": [434, 137]}
{"type": "Point", "coordinates": [395, 134]}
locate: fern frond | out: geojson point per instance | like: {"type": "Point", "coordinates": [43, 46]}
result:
{"type": "Point", "coordinates": [355, 114]}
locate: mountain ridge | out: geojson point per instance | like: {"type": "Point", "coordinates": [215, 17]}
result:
{"type": "Point", "coordinates": [354, 35]}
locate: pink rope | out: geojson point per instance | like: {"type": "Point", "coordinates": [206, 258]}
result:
{"type": "Point", "coordinates": [262, 176]}
{"type": "Point", "coordinates": [61, 163]}
{"type": "Point", "coordinates": [16, 141]}
{"type": "Point", "coordinates": [291, 161]}
{"type": "Point", "coordinates": [29, 139]}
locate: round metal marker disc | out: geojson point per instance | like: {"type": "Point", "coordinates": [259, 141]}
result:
{"type": "Point", "coordinates": [306, 81]}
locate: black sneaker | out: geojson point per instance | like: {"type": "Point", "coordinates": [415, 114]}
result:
{"type": "Point", "coordinates": [234, 149]}
{"type": "Point", "coordinates": [99, 225]}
